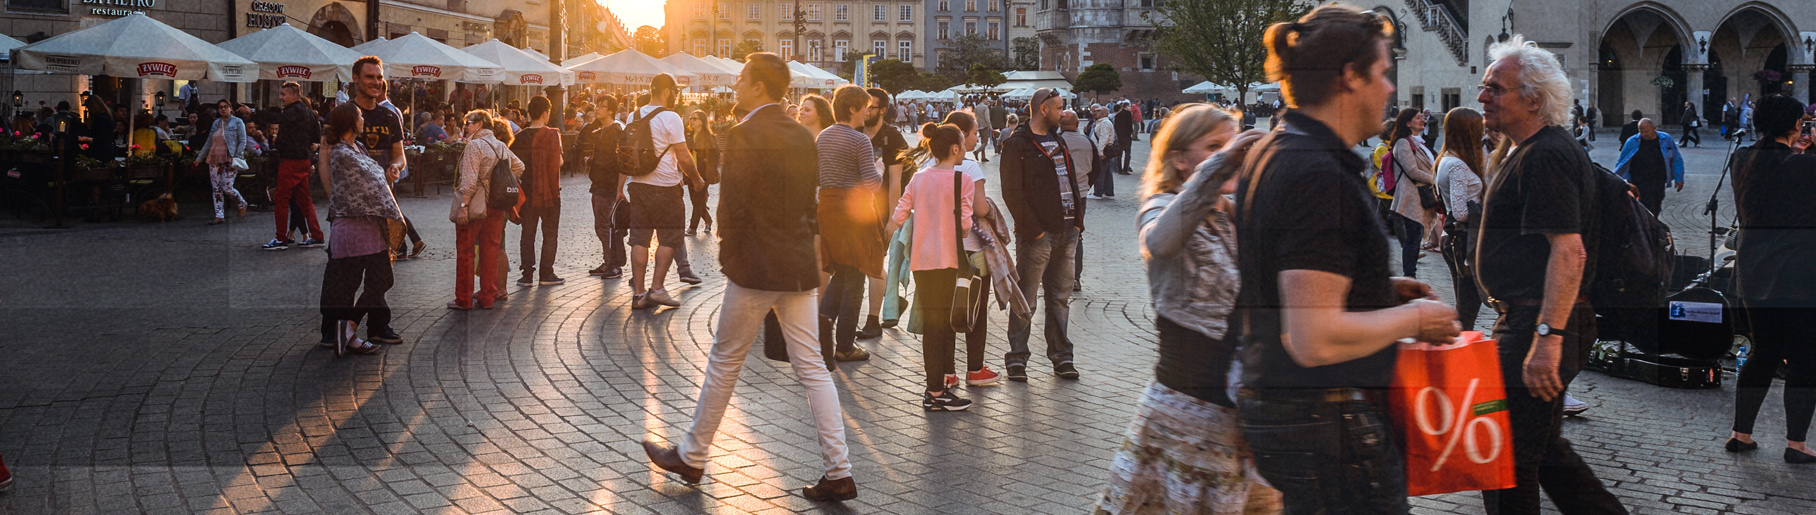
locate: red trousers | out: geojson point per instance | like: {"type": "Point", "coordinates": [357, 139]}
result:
{"type": "Point", "coordinates": [488, 235]}
{"type": "Point", "coordinates": [293, 179]}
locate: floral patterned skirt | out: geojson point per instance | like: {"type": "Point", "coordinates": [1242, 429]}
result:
{"type": "Point", "coordinates": [1183, 455]}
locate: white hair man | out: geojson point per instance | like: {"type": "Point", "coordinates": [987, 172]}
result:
{"type": "Point", "coordinates": [1538, 226]}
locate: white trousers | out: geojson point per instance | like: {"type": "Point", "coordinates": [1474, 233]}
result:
{"type": "Point", "coordinates": [740, 319]}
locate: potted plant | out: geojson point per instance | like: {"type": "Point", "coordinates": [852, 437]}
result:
{"type": "Point", "coordinates": [88, 169]}
{"type": "Point", "coordinates": [144, 165]}
{"type": "Point", "coordinates": [1664, 82]}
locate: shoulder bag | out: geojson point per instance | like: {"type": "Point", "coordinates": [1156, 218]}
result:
{"type": "Point", "coordinates": [503, 193]}
{"type": "Point", "coordinates": [968, 290]}
{"type": "Point", "coordinates": [1428, 193]}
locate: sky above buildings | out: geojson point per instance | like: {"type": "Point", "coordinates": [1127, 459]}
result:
{"type": "Point", "coordinates": [636, 13]}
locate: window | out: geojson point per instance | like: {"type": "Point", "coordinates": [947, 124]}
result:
{"type": "Point", "coordinates": [699, 47]}
{"type": "Point", "coordinates": [1044, 5]}
{"type": "Point", "coordinates": [724, 47]}
{"type": "Point", "coordinates": [700, 10]}
{"type": "Point", "coordinates": [1147, 3]}
{"type": "Point", "coordinates": [879, 13]}
{"type": "Point", "coordinates": [753, 11]}
{"type": "Point", "coordinates": [1021, 16]}
{"type": "Point", "coordinates": [943, 34]}
{"type": "Point", "coordinates": [944, 6]}
{"type": "Point", "coordinates": [971, 5]}
{"type": "Point", "coordinates": [907, 13]}
{"type": "Point", "coordinates": [724, 11]}
{"type": "Point", "coordinates": [842, 12]}
{"type": "Point", "coordinates": [879, 47]}
{"type": "Point", "coordinates": [839, 48]}
{"type": "Point", "coordinates": [996, 5]}
{"type": "Point", "coordinates": [993, 27]}
{"type": "Point", "coordinates": [37, 5]}
{"type": "Point", "coordinates": [813, 51]}
{"type": "Point", "coordinates": [787, 11]}
{"type": "Point", "coordinates": [787, 48]}
{"type": "Point", "coordinates": [970, 27]}
{"type": "Point", "coordinates": [1147, 61]}
{"type": "Point", "coordinates": [905, 51]}
{"type": "Point", "coordinates": [813, 12]}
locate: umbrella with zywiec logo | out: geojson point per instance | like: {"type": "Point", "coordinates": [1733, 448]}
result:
{"type": "Point", "coordinates": [415, 56]}
{"type": "Point", "coordinates": [627, 68]}
{"type": "Point", "coordinates": [521, 68]}
{"type": "Point", "coordinates": [135, 46]}
{"type": "Point", "coordinates": [288, 53]}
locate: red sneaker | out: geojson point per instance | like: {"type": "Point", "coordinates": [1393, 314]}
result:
{"type": "Point", "coordinates": [951, 381]}
{"type": "Point", "coordinates": [6, 476]}
{"type": "Point", "coordinates": [983, 377]}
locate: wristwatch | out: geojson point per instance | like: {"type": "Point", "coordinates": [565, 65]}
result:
{"type": "Point", "coordinates": [1545, 329]}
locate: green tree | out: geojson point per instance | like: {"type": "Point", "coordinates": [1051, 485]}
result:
{"type": "Point", "coordinates": [749, 46]}
{"type": "Point", "coordinates": [967, 50]}
{"type": "Point", "coordinates": [1027, 53]}
{"type": "Point", "coordinates": [985, 76]}
{"type": "Point", "coordinates": [930, 81]}
{"type": "Point", "coordinates": [1219, 40]}
{"type": "Point", "coordinates": [1098, 79]}
{"type": "Point", "coordinates": [895, 76]}
{"type": "Point", "coordinates": [650, 41]}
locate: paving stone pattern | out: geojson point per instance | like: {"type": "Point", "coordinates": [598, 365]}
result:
{"type": "Point", "coordinates": [172, 368]}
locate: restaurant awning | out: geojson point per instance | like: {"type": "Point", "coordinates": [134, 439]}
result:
{"type": "Point", "coordinates": [416, 56]}
{"type": "Point", "coordinates": [135, 46]}
{"type": "Point", "coordinates": [288, 53]}
{"type": "Point", "coordinates": [521, 68]}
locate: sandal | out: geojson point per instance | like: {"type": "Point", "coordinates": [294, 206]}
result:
{"type": "Point", "coordinates": [217, 221]}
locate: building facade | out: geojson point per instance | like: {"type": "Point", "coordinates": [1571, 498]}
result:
{"type": "Point", "coordinates": [1075, 34]}
{"type": "Point", "coordinates": [1622, 56]}
{"type": "Point", "coordinates": [831, 34]}
{"type": "Point", "coordinates": [35, 20]}
{"type": "Point", "coordinates": [948, 20]}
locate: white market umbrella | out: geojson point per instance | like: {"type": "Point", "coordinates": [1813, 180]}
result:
{"type": "Point", "coordinates": [802, 77]}
{"type": "Point", "coordinates": [366, 48]}
{"type": "Point", "coordinates": [135, 46]}
{"type": "Point", "coordinates": [626, 68]}
{"type": "Point", "coordinates": [1203, 88]}
{"type": "Point", "coordinates": [731, 65]}
{"type": "Point", "coordinates": [415, 56]}
{"type": "Point", "coordinates": [533, 52]}
{"type": "Point", "coordinates": [288, 53]}
{"type": "Point", "coordinates": [7, 44]}
{"type": "Point", "coordinates": [580, 59]}
{"type": "Point", "coordinates": [706, 75]}
{"type": "Point", "coordinates": [1020, 94]}
{"type": "Point", "coordinates": [913, 94]}
{"type": "Point", "coordinates": [521, 68]}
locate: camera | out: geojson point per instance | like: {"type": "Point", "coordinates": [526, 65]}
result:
{"type": "Point", "coordinates": [1806, 126]}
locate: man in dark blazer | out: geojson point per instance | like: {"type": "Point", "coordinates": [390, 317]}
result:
{"type": "Point", "coordinates": [767, 209]}
{"type": "Point", "coordinates": [1632, 126]}
{"type": "Point", "coordinates": [1125, 137]}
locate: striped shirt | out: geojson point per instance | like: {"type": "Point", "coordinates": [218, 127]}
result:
{"type": "Point", "coordinates": [847, 159]}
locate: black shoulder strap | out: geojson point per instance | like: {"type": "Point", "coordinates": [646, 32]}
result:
{"type": "Point", "coordinates": [958, 232]}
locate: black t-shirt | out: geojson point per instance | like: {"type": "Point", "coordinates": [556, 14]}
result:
{"type": "Point", "coordinates": [1310, 211]}
{"type": "Point", "coordinates": [603, 170]}
{"type": "Point", "coordinates": [889, 145]}
{"type": "Point", "coordinates": [1545, 186]}
{"type": "Point", "coordinates": [1648, 165]}
{"type": "Point", "coordinates": [383, 128]}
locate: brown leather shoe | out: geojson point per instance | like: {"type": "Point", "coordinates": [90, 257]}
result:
{"type": "Point", "coordinates": [670, 460]}
{"type": "Point", "coordinates": [832, 490]}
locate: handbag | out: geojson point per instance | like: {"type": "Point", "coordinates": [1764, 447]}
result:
{"type": "Point", "coordinates": [1428, 193]}
{"type": "Point", "coordinates": [967, 291]}
{"type": "Point", "coordinates": [239, 164]}
{"type": "Point", "coordinates": [1452, 408]}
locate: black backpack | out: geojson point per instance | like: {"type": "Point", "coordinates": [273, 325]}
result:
{"type": "Point", "coordinates": [637, 154]}
{"type": "Point", "coordinates": [1633, 260]}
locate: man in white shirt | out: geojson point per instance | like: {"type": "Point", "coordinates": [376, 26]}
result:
{"type": "Point", "coordinates": [1103, 134]}
{"type": "Point", "coordinates": [657, 208]}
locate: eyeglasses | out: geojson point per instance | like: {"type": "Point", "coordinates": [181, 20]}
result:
{"type": "Point", "coordinates": [1491, 89]}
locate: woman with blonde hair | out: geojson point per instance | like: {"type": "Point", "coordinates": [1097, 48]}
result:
{"type": "Point", "coordinates": [478, 230]}
{"type": "Point", "coordinates": [1184, 453]}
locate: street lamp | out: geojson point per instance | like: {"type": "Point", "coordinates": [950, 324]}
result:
{"type": "Point", "coordinates": [158, 100]}
{"type": "Point", "coordinates": [800, 19]}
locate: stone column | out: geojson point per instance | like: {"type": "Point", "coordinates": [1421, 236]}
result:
{"type": "Point", "coordinates": [1800, 81]}
{"type": "Point", "coordinates": [1693, 93]}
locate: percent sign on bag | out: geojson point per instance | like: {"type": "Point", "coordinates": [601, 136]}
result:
{"type": "Point", "coordinates": [1464, 428]}
{"type": "Point", "coordinates": [1449, 404]}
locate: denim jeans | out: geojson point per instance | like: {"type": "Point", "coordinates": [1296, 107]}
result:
{"type": "Point", "coordinates": [1047, 261]}
{"type": "Point", "coordinates": [1327, 457]}
{"type": "Point", "coordinates": [1409, 245]}
{"type": "Point", "coordinates": [1542, 458]}
{"type": "Point", "coordinates": [844, 297]}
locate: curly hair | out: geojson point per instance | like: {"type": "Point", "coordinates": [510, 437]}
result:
{"type": "Point", "coordinates": [1541, 80]}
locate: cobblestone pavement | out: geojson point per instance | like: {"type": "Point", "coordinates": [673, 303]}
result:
{"type": "Point", "coordinates": [169, 368]}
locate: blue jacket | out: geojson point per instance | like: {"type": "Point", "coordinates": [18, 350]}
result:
{"type": "Point", "coordinates": [1673, 158]}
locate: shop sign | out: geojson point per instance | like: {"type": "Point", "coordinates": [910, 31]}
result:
{"type": "Point", "coordinates": [265, 15]}
{"type": "Point", "coordinates": [425, 71]}
{"type": "Point", "coordinates": [529, 78]}
{"type": "Point", "coordinates": [157, 69]}
{"type": "Point", "coordinates": [118, 7]}
{"type": "Point", "coordinates": [293, 72]}
{"type": "Point", "coordinates": [587, 77]}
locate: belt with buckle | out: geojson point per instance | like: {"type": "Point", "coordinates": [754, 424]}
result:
{"type": "Point", "coordinates": [1503, 306]}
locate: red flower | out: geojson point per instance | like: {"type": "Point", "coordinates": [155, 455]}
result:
{"type": "Point", "coordinates": [84, 146]}
{"type": "Point", "coordinates": [135, 147]}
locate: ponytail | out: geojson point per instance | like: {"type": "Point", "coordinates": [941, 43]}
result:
{"type": "Point", "coordinates": [937, 141]}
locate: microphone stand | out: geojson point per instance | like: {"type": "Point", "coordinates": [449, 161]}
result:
{"type": "Point", "coordinates": [1714, 203]}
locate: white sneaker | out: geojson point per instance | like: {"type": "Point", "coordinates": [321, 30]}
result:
{"type": "Point", "coordinates": [1094, 196]}
{"type": "Point", "coordinates": [1573, 407]}
{"type": "Point", "coordinates": [661, 297]}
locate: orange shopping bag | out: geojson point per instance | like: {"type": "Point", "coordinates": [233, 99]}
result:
{"type": "Point", "coordinates": [1449, 403]}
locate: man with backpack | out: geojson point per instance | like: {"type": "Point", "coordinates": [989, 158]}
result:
{"type": "Point", "coordinates": [611, 211]}
{"type": "Point", "coordinates": [655, 154]}
{"type": "Point", "coordinates": [1541, 223]}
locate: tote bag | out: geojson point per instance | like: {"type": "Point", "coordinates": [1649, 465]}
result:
{"type": "Point", "coordinates": [1449, 403]}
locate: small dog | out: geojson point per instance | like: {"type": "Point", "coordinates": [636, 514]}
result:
{"type": "Point", "coordinates": [162, 209]}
